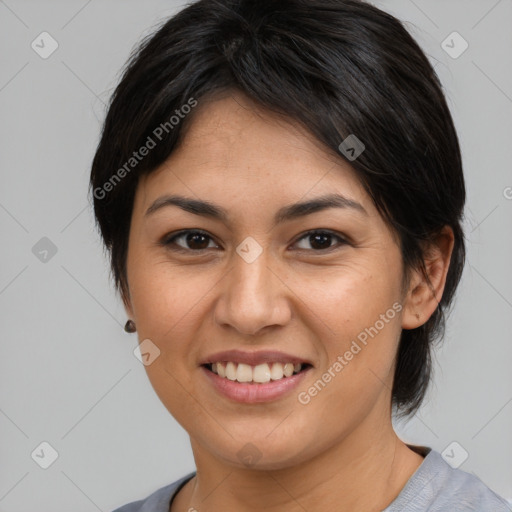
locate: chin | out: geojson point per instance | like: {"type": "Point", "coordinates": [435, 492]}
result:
{"type": "Point", "coordinates": [260, 453]}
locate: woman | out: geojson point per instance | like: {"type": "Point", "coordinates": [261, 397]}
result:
{"type": "Point", "coordinates": [280, 188]}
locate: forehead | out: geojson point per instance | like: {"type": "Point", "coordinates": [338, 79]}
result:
{"type": "Point", "coordinates": [234, 121]}
{"type": "Point", "coordinates": [233, 144]}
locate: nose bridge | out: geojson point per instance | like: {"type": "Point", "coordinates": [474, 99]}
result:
{"type": "Point", "coordinates": [251, 276]}
{"type": "Point", "coordinates": [252, 298]}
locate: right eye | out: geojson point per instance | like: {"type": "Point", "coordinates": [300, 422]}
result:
{"type": "Point", "coordinates": [196, 241]}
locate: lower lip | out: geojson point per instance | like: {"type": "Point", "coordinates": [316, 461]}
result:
{"type": "Point", "coordinates": [249, 393]}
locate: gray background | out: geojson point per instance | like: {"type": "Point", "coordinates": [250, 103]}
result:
{"type": "Point", "coordinates": [68, 375]}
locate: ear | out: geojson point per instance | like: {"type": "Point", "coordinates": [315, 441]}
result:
{"type": "Point", "coordinates": [423, 294]}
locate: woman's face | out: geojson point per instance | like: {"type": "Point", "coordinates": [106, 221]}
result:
{"type": "Point", "coordinates": [254, 285]}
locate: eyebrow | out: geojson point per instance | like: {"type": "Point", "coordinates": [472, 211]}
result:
{"type": "Point", "coordinates": [286, 213]}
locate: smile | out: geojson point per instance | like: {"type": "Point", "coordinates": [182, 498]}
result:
{"type": "Point", "coordinates": [248, 384]}
{"type": "Point", "coordinates": [258, 374]}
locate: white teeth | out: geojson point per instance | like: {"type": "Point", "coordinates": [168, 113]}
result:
{"type": "Point", "coordinates": [288, 370]}
{"type": "Point", "coordinates": [221, 369]}
{"type": "Point", "coordinates": [276, 372]}
{"type": "Point", "coordinates": [231, 371]}
{"type": "Point", "coordinates": [260, 373]}
{"type": "Point", "coordinates": [243, 373]}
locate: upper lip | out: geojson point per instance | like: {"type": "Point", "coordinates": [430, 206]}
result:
{"type": "Point", "coordinates": [254, 358]}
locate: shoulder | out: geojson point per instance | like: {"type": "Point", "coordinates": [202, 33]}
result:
{"type": "Point", "coordinates": [159, 500]}
{"type": "Point", "coordinates": [461, 491]}
{"type": "Point", "coordinates": [437, 487]}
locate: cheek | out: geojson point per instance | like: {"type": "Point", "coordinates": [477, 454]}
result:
{"type": "Point", "coordinates": [361, 307]}
{"type": "Point", "coordinates": [162, 291]}
{"type": "Point", "coordinates": [166, 301]}
{"type": "Point", "coordinates": [350, 298]}
{"type": "Point", "coordinates": [169, 307]}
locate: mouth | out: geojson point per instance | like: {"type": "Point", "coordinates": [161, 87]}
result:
{"type": "Point", "coordinates": [245, 383]}
{"type": "Point", "coordinates": [250, 377]}
{"type": "Point", "coordinates": [256, 374]}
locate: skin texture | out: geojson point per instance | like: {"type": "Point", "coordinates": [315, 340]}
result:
{"type": "Point", "coordinates": [339, 451]}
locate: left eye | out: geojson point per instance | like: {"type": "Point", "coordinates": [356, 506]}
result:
{"type": "Point", "coordinates": [321, 239]}
{"type": "Point", "coordinates": [196, 241]}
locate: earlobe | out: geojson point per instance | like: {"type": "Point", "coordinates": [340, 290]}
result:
{"type": "Point", "coordinates": [424, 293]}
{"type": "Point", "coordinates": [130, 324]}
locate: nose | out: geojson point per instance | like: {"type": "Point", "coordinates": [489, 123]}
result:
{"type": "Point", "coordinates": [253, 296]}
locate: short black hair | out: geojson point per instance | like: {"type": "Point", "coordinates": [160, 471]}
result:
{"type": "Point", "coordinates": [336, 67]}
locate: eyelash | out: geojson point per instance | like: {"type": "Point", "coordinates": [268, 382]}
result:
{"type": "Point", "coordinates": [169, 240]}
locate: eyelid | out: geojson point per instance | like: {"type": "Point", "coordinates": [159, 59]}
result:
{"type": "Point", "coordinates": [342, 239]}
{"type": "Point", "coordinates": [169, 240]}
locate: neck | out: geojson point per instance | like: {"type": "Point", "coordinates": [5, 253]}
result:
{"type": "Point", "coordinates": [364, 471]}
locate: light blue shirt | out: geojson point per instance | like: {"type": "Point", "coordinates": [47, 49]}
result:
{"type": "Point", "coordinates": [434, 487]}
